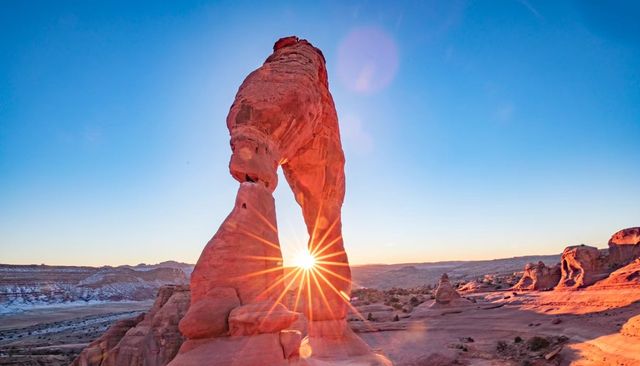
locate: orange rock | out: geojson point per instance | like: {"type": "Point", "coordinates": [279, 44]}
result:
{"type": "Point", "coordinates": [261, 349]}
{"type": "Point", "coordinates": [283, 114]}
{"type": "Point", "coordinates": [539, 277]}
{"type": "Point", "coordinates": [154, 340]}
{"type": "Point", "coordinates": [208, 317]}
{"type": "Point", "coordinates": [624, 246]}
{"type": "Point", "coordinates": [445, 293]}
{"type": "Point", "coordinates": [97, 350]}
{"type": "Point", "coordinates": [290, 341]}
{"type": "Point", "coordinates": [581, 266]}
{"type": "Point", "coordinates": [260, 318]}
{"type": "Point", "coordinates": [244, 254]}
{"type": "Point", "coordinates": [632, 327]}
{"type": "Point", "coordinates": [625, 277]}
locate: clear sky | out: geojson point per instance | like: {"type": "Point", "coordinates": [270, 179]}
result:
{"type": "Point", "coordinates": [472, 129]}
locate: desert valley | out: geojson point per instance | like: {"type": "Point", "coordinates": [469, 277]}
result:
{"type": "Point", "coordinates": [415, 141]}
{"type": "Point", "coordinates": [580, 308]}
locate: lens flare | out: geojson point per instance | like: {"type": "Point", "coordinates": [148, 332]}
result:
{"type": "Point", "coordinates": [305, 260]}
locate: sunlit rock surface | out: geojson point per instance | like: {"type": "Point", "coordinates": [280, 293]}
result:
{"type": "Point", "coordinates": [539, 277]}
{"type": "Point", "coordinates": [582, 266]}
{"type": "Point", "coordinates": [445, 293]}
{"type": "Point", "coordinates": [283, 115]}
{"type": "Point", "coordinates": [624, 246]}
{"type": "Point", "coordinates": [153, 339]}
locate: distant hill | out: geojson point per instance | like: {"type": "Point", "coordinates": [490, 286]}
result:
{"type": "Point", "coordinates": [385, 276]}
{"type": "Point", "coordinates": [26, 286]}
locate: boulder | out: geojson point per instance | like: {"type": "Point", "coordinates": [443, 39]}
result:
{"type": "Point", "coordinates": [445, 293]}
{"type": "Point", "coordinates": [539, 277]}
{"type": "Point", "coordinates": [148, 341]}
{"type": "Point", "coordinates": [624, 247]}
{"type": "Point", "coordinates": [209, 317]}
{"type": "Point", "coordinates": [581, 266]}
{"type": "Point", "coordinates": [260, 318]}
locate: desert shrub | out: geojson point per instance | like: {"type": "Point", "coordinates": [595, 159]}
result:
{"type": "Point", "coordinates": [517, 339]}
{"type": "Point", "coordinates": [537, 343]}
{"type": "Point", "coordinates": [370, 317]}
{"type": "Point", "coordinates": [396, 318]}
{"type": "Point", "coordinates": [501, 346]}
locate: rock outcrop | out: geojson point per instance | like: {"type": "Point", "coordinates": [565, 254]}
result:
{"type": "Point", "coordinates": [149, 339]}
{"type": "Point", "coordinates": [445, 293]}
{"type": "Point", "coordinates": [581, 266]}
{"type": "Point", "coordinates": [632, 327]}
{"type": "Point", "coordinates": [624, 247]}
{"type": "Point", "coordinates": [625, 277]}
{"type": "Point", "coordinates": [283, 115]}
{"type": "Point", "coordinates": [539, 277]}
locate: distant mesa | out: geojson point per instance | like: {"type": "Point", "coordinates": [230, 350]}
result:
{"type": "Point", "coordinates": [25, 286]}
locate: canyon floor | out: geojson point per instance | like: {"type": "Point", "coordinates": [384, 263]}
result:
{"type": "Point", "coordinates": [498, 328]}
{"type": "Point", "coordinates": [55, 335]}
{"type": "Point", "coordinates": [581, 328]}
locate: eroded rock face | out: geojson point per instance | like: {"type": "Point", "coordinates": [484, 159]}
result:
{"type": "Point", "coordinates": [632, 327]}
{"type": "Point", "coordinates": [624, 246]}
{"type": "Point", "coordinates": [625, 277]}
{"type": "Point", "coordinates": [581, 266]}
{"type": "Point", "coordinates": [150, 339]}
{"type": "Point", "coordinates": [539, 277]}
{"type": "Point", "coordinates": [445, 293]}
{"type": "Point", "coordinates": [283, 115]}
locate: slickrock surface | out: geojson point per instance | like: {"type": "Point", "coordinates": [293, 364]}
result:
{"type": "Point", "coordinates": [154, 340]}
{"type": "Point", "coordinates": [627, 276]}
{"type": "Point", "coordinates": [539, 277]}
{"type": "Point", "coordinates": [624, 246]}
{"type": "Point", "coordinates": [582, 266]}
{"type": "Point", "coordinates": [632, 327]}
{"type": "Point", "coordinates": [283, 115]}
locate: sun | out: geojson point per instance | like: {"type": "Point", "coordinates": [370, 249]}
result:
{"type": "Point", "coordinates": [304, 260]}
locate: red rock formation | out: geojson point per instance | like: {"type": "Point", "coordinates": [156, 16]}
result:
{"type": "Point", "coordinates": [283, 115]}
{"type": "Point", "coordinates": [445, 293]}
{"type": "Point", "coordinates": [152, 339]}
{"type": "Point", "coordinates": [96, 352]}
{"type": "Point", "coordinates": [539, 277]}
{"type": "Point", "coordinates": [624, 246]}
{"type": "Point", "coordinates": [625, 277]}
{"type": "Point", "coordinates": [582, 266]}
{"type": "Point", "coordinates": [632, 327]}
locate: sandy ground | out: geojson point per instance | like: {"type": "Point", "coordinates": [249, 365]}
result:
{"type": "Point", "coordinates": [583, 328]}
{"type": "Point", "coordinates": [55, 335]}
{"type": "Point", "coordinates": [590, 321]}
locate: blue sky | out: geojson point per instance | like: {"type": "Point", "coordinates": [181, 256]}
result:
{"type": "Point", "coordinates": [472, 129]}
